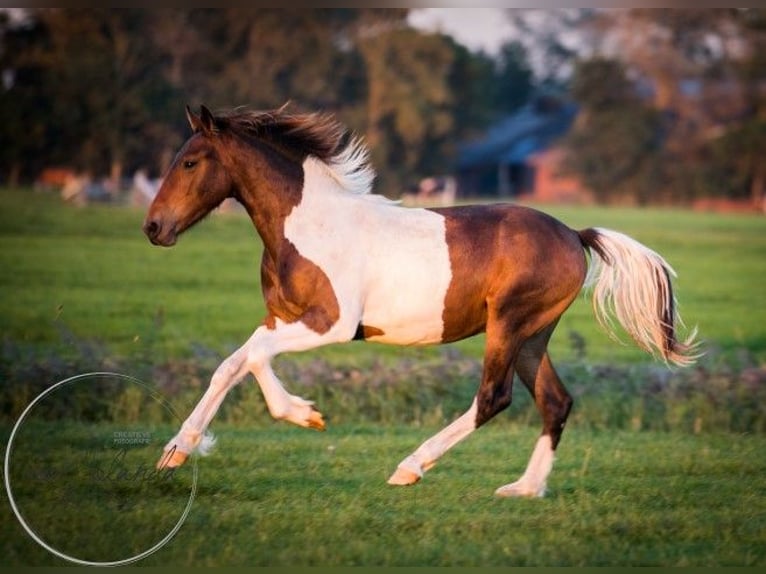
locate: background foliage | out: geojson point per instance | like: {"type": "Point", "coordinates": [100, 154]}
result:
{"type": "Point", "coordinates": [677, 94]}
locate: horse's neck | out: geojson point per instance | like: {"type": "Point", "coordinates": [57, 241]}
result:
{"type": "Point", "coordinates": [268, 195]}
{"type": "Point", "coordinates": [309, 196]}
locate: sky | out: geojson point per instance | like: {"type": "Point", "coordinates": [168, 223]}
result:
{"type": "Point", "coordinates": [477, 28]}
{"type": "Point", "coordinates": [487, 29]}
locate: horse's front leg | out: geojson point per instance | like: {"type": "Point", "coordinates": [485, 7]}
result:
{"type": "Point", "coordinates": [281, 404]}
{"type": "Point", "coordinates": [254, 356]}
{"type": "Point", "coordinates": [192, 434]}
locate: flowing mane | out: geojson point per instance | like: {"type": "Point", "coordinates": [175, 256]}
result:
{"type": "Point", "coordinates": [318, 135]}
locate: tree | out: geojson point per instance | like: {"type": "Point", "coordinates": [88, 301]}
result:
{"type": "Point", "coordinates": [24, 97]}
{"type": "Point", "coordinates": [512, 78]}
{"type": "Point", "coordinates": [103, 89]}
{"type": "Point", "coordinates": [704, 70]}
{"type": "Point", "coordinates": [409, 102]}
{"type": "Point", "coordinates": [690, 93]}
{"type": "Point", "coordinates": [553, 39]}
{"type": "Point", "coordinates": [736, 156]}
{"type": "Point", "coordinates": [102, 85]}
{"type": "Point", "coordinates": [615, 143]}
{"type": "Point", "coordinates": [668, 45]}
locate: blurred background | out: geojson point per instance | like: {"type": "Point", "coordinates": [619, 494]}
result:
{"type": "Point", "coordinates": [619, 106]}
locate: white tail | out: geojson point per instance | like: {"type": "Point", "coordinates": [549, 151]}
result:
{"type": "Point", "coordinates": [632, 283]}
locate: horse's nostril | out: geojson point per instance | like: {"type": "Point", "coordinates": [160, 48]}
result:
{"type": "Point", "coordinates": [151, 229]}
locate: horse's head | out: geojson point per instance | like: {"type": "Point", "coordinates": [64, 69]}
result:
{"type": "Point", "coordinates": [195, 184]}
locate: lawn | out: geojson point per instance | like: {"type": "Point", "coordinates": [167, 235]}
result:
{"type": "Point", "coordinates": [283, 496]}
{"type": "Point", "coordinates": [657, 467]}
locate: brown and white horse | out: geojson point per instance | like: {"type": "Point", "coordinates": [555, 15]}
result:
{"type": "Point", "coordinates": [342, 264]}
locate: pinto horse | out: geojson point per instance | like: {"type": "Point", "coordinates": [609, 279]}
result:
{"type": "Point", "coordinates": [340, 264]}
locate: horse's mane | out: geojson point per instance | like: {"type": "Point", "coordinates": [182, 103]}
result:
{"type": "Point", "coordinates": [318, 135]}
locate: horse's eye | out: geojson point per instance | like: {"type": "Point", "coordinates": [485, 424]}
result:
{"type": "Point", "coordinates": [189, 164]}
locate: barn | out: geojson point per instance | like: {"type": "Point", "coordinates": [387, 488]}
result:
{"type": "Point", "coordinates": [519, 156]}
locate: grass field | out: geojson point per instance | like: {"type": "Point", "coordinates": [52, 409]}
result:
{"type": "Point", "coordinates": [81, 289]}
{"type": "Point", "coordinates": [285, 496]}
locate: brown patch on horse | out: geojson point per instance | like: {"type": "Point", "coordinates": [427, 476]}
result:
{"type": "Point", "coordinates": [471, 253]}
{"type": "Point", "coordinates": [364, 332]}
{"type": "Point", "coordinates": [503, 254]}
{"type": "Point", "coordinates": [295, 289]}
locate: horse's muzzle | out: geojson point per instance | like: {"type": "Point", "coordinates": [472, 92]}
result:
{"type": "Point", "coordinates": [159, 234]}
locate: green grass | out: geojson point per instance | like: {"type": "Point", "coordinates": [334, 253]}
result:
{"type": "Point", "coordinates": [81, 289]}
{"type": "Point", "coordinates": [284, 496]}
{"type": "Point", "coordinates": [90, 272]}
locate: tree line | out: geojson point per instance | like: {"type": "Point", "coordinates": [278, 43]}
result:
{"type": "Point", "coordinates": [676, 116]}
{"type": "Point", "coordinates": [104, 89]}
{"type": "Point", "coordinates": [676, 110]}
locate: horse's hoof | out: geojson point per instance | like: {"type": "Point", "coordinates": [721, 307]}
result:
{"type": "Point", "coordinates": [516, 490]}
{"type": "Point", "coordinates": [172, 458]}
{"type": "Point", "coordinates": [315, 420]}
{"type": "Point", "coordinates": [403, 477]}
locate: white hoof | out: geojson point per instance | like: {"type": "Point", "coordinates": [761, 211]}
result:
{"type": "Point", "coordinates": [403, 477]}
{"type": "Point", "coordinates": [171, 458]}
{"type": "Point", "coordinates": [520, 489]}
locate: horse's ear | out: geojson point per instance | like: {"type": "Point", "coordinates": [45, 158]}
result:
{"type": "Point", "coordinates": [194, 121]}
{"type": "Point", "coordinates": [207, 120]}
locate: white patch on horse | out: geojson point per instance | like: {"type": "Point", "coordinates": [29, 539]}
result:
{"type": "Point", "coordinates": [388, 265]}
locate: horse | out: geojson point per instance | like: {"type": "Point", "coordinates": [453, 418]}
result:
{"type": "Point", "coordinates": [341, 263]}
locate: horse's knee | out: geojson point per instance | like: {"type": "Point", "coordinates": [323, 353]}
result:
{"type": "Point", "coordinates": [257, 360]}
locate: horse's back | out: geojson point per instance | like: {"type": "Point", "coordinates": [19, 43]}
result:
{"type": "Point", "coordinates": [433, 275]}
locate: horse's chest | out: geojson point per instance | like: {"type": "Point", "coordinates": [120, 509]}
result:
{"type": "Point", "coordinates": [297, 289]}
{"type": "Point", "coordinates": [389, 267]}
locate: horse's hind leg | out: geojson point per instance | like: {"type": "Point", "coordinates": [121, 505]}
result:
{"type": "Point", "coordinates": [554, 403]}
{"type": "Point", "coordinates": [493, 396]}
{"type": "Point", "coordinates": [411, 469]}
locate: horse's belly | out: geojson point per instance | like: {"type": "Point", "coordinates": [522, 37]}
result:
{"type": "Point", "coordinates": [415, 331]}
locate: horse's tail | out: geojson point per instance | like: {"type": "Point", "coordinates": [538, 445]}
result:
{"type": "Point", "coordinates": [632, 283]}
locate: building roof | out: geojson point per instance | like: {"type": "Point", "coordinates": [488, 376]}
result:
{"type": "Point", "coordinates": [511, 140]}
